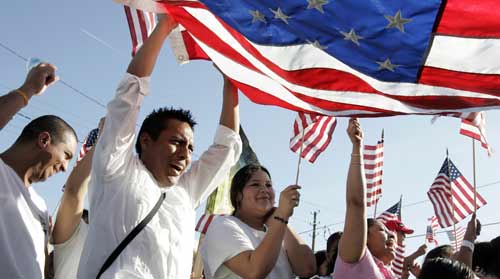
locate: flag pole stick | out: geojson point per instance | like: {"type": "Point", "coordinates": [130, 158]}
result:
{"type": "Point", "coordinates": [474, 172]}
{"type": "Point", "coordinates": [452, 203]}
{"type": "Point", "coordinates": [300, 158]}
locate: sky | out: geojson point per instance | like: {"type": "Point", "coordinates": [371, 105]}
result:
{"type": "Point", "coordinates": [89, 43]}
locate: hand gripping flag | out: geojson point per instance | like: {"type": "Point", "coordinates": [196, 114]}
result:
{"type": "Point", "coordinates": [452, 196]}
{"type": "Point", "coordinates": [349, 57]}
{"type": "Point", "coordinates": [311, 135]}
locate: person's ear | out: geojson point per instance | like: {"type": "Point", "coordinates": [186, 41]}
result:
{"type": "Point", "coordinates": [43, 140]}
{"type": "Point", "coordinates": [145, 140]}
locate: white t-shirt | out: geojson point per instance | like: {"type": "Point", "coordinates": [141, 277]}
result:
{"type": "Point", "coordinates": [67, 255]}
{"type": "Point", "coordinates": [227, 237]}
{"type": "Point", "coordinates": [122, 192]}
{"type": "Point", "coordinates": [24, 223]}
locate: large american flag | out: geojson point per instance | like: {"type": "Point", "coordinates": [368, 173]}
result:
{"type": "Point", "coordinates": [474, 125]}
{"type": "Point", "coordinates": [141, 24]}
{"type": "Point", "coordinates": [373, 156]}
{"type": "Point", "coordinates": [452, 195]}
{"type": "Point", "coordinates": [349, 57]}
{"type": "Point", "coordinates": [433, 226]}
{"type": "Point", "coordinates": [456, 237]}
{"type": "Point", "coordinates": [312, 134]}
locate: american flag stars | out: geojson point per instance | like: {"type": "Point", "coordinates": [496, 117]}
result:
{"type": "Point", "coordinates": [397, 21]}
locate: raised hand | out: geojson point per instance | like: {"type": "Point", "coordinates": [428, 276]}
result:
{"type": "Point", "coordinates": [289, 199]}
{"type": "Point", "coordinates": [354, 131]}
{"type": "Point", "coordinates": [39, 78]}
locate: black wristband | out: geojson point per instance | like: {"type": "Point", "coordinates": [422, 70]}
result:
{"type": "Point", "coordinates": [281, 220]}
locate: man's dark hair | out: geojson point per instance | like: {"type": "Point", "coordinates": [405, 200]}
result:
{"type": "Point", "coordinates": [156, 122]}
{"type": "Point", "coordinates": [54, 125]}
{"type": "Point", "coordinates": [486, 258]}
{"type": "Point", "coordinates": [443, 268]}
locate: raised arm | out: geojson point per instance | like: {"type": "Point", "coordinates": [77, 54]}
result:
{"type": "Point", "coordinates": [260, 262]}
{"type": "Point", "coordinates": [300, 255]}
{"type": "Point", "coordinates": [144, 61]}
{"type": "Point", "coordinates": [37, 80]}
{"type": "Point", "coordinates": [230, 116]}
{"type": "Point", "coordinates": [464, 254]}
{"type": "Point", "coordinates": [352, 244]}
{"type": "Point", "coordinates": [72, 202]}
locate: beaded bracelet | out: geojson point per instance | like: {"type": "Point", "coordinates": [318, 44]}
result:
{"type": "Point", "coordinates": [281, 220]}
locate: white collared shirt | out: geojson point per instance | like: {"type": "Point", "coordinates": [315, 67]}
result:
{"type": "Point", "coordinates": [122, 192]}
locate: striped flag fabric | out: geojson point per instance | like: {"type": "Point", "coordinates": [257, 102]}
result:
{"type": "Point", "coordinates": [391, 214]}
{"type": "Point", "coordinates": [337, 57]}
{"type": "Point", "coordinates": [205, 221]}
{"type": "Point", "coordinates": [141, 24]}
{"type": "Point", "coordinates": [312, 133]}
{"type": "Point", "coordinates": [373, 156]}
{"type": "Point", "coordinates": [399, 260]}
{"type": "Point", "coordinates": [474, 126]}
{"type": "Point", "coordinates": [88, 143]}
{"type": "Point", "coordinates": [433, 226]}
{"type": "Point", "coordinates": [456, 237]}
{"type": "Point", "coordinates": [452, 196]}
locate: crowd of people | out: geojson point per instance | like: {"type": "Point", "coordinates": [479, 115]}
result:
{"type": "Point", "coordinates": [146, 190]}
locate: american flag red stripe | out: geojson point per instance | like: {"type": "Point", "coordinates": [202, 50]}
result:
{"type": "Point", "coordinates": [431, 230]}
{"type": "Point", "coordinates": [373, 156]}
{"type": "Point", "coordinates": [140, 24]}
{"type": "Point", "coordinates": [474, 126]}
{"type": "Point", "coordinates": [456, 238]}
{"type": "Point", "coordinates": [312, 133]}
{"type": "Point", "coordinates": [452, 196]}
{"type": "Point", "coordinates": [399, 259]}
{"type": "Point", "coordinates": [88, 143]}
{"type": "Point", "coordinates": [253, 60]}
{"type": "Point", "coordinates": [205, 221]}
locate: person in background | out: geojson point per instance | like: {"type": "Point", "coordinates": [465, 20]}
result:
{"type": "Point", "coordinates": [327, 264]}
{"type": "Point", "coordinates": [444, 268]}
{"type": "Point", "coordinates": [45, 147]}
{"type": "Point", "coordinates": [255, 241]}
{"type": "Point", "coordinates": [71, 226]}
{"type": "Point", "coordinates": [366, 247]}
{"type": "Point", "coordinates": [486, 259]}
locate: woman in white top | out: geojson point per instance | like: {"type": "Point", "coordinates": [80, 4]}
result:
{"type": "Point", "coordinates": [255, 242]}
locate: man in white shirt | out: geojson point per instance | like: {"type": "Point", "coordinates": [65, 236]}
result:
{"type": "Point", "coordinates": [45, 147]}
{"type": "Point", "coordinates": [125, 187]}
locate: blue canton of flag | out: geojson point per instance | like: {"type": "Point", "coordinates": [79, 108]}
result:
{"type": "Point", "coordinates": [88, 143]}
{"type": "Point", "coordinates": [386, 41]}
{"type": "Point", "coordinates": [449, 169]}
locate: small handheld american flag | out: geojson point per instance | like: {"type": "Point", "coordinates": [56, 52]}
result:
{"type": "Point", "coordinates": [88, 143]}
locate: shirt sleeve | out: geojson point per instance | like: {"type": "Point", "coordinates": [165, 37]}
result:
{"type": "Point", "coordinates": [224, 240]}
{"type": "Point", "coordinates": [213, 166]}
{"type": "Point", "coordinates": [116, 143]}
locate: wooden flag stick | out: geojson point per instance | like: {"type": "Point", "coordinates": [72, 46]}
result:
{"type": "Point", "coordinates": [474, 172]}
{"type": "Point", "coordinates": [452, 203]}
{"type": "Point", "coordinates": [300, 158]}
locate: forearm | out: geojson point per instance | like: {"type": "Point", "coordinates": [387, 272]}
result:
{"type": "Point", "coordinates": [300, 255]}
{"type": "Point", "coordinates": [12, 103]}
{"type": "Point", "coordinates": [230, 116]}
{"type": "Point", "coordinates": [143, 63]}
{"type": "Point", "coordinates": [264, 258]}
{"type": "Point", "coordinates": [353, 242]}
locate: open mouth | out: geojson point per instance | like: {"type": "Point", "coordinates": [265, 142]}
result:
{"type": "Point", "coordinates": [178, 168]}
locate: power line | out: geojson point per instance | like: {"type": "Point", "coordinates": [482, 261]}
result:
{"type": "Point", "coordinates": [408, 205]}
{"type": "Point", "coordinates": [441, 232]}
{"type": "Point", "coordinates": [61, 81]}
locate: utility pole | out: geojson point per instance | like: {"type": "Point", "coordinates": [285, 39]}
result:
{"type": "Point", "coordinates": [315, 213]}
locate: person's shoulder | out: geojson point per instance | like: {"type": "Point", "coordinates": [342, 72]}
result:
{"type": "Point", "coordinates": [224, 223]}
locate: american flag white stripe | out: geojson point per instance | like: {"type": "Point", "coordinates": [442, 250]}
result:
{"type": "Point", "coordinates": [456, 238]}
{"type": "Point", "coordinates": [313, 132]}
{"type": "Point", "coordinates": [474, 125]}
{"type": "Point", "coordinates": [452, 201]}
{"type": "Point", "coordinates": [398, 262]}
{"type": "Point", "coordinates": [373, 156]}
{"type": "Point", "coordinates": [141, 24]}
{"type": "Point", "coordinates": [432, 229]}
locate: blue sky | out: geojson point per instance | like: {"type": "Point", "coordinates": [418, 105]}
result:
{"type": "Point", "coordinates": [65, 32]}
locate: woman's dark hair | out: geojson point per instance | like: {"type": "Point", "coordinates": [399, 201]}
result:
{"type": "Point", "coordinates": [443, 251]}
{"type": "Point", "coordinates": [333, 239]}
{"type": "Point", "coordinates": [486, 258]}
{"type": "Point", "coordinates": [444, 268]}
{"type": "Point", "coordinates": [240, 179]}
